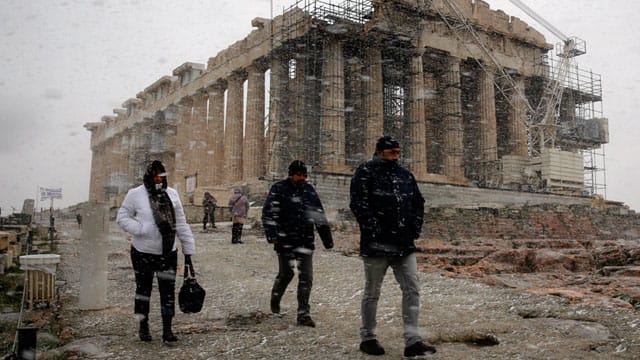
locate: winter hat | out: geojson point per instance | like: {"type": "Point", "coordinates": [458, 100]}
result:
{"type": "Point", "coordinates": [387, 142]}
{"type": "Point", "coordinates": [297, 167]}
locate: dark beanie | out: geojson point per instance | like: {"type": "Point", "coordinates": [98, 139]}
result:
{"type": "Point", "coordinates": [387, 142]}
{"type": "Point", "coordinates": [297, 167]}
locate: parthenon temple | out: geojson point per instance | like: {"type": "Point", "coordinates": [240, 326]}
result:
{"type": "Point", "coordinates": [459, 84]}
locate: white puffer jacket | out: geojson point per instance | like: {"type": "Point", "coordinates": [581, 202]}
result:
{"type": "Point", "coordinates": [136, 218]}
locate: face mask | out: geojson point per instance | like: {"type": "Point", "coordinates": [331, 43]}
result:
{"type": "Point", "coordinates": [159, 186]}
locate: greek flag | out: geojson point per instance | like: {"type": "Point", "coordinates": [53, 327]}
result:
{"type": "Point", "coordinates": [49, 193]}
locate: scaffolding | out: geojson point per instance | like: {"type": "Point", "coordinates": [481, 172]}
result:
{"type": "Point", "coordinates": [301, 40]}
{"type": "Point", "coordinates": [581, 125]}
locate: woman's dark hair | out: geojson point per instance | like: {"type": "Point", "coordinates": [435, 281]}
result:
{"type": "Point", "coordinates": [154, 168]}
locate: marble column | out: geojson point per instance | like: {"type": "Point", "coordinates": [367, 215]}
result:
{"type": "Point", "coordinates": [183, 151]}
{"type": "Point", "coordinates": [233, 135]}
{"type": "Point", "coordinates": [278, 133]}
{"type": "Point", "coordinates": [452, 120]}
{"type": "Point", "coordinates": [216, 130]}
{"type": "Point", "coordinates": [253, 161]}
{"type": "Point", "coordinates": [332, 130]}
{"type": "Point", "coordinates": [433, 129]}
{"type": "Point", "coordinates": [298, 99]}
{"type": "Point", "coordinates": [416, 126]}
{"type": "Point", "coordinates": [488, 138]}
{"type": "Point", "coordinates": [96, 193]}
{"type": "Point", "coordinates": [516, 123]}
{"type": "Point", "coordinates": [163, 138]}
{"type": "Point", "coordinates": [373, 100]}
{"type": "Point", "coordinates": [356, 150]}
{"type": "Point", "coordinates": [198, 142]}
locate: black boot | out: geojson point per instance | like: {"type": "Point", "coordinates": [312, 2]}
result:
{"type": "Point", "coordinates": [143, 331]}
{"type": "Point", "coordinates": [167, 335]}
{"type": "Point", "coordinates": [236, 233]}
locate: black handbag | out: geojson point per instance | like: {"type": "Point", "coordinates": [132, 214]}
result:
{"type": "Point", "coordinates": [191, 296]}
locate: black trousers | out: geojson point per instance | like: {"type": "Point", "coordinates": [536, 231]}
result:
{"type": "Point", "coordinates": [145, 266]}
{"type": "Point", "coordinates": [236, 232]}
{"type": "Point", "coordinates": [287, 262]}
{"type": "Point", "coordinates": [209, 216]}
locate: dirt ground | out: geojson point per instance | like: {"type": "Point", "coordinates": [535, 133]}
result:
{"type": "Point", "coordinates": [462, 318]}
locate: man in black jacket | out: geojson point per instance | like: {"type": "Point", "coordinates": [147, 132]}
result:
{"type": "Point", "coordinates": [389, 208]}
{"type": "Point", "coordinates": [289, 215]}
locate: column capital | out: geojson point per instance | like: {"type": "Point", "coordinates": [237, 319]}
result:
{"type": "Point", "coordinates": [185, 101]}
{"type": "Point", "coordinates": [261, 64]}
{"type": "Point", "coordinates": [238, 75]}
{"type": "Point", "coordinates": [216, 87]}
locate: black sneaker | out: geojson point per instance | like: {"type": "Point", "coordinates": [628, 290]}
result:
{"type": "Point", "coordinates": [419, 349]}
{"type": "Point", "coordinates": [372, 347]}
{"type": "Point", "coordinates": [306, 321]}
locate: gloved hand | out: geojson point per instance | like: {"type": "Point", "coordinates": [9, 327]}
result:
{"type": "Point", "coordinates": [328, 245]}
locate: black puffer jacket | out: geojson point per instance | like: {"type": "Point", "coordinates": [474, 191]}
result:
{"type": "Point", "coordinates": [388, 206]}
{"type": "Point", "coordinates": [290, 214]}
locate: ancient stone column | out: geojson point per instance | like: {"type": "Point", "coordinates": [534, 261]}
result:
{"type": "Point", "coordinates": [433, 128]}
{"type": "Point", "coordinates": [297, 133]}
{"type": "Point", "coordinates": [356, 150]}
{"type": "Point", "coordinates": [332, 130]}
{"type": "Point", "coordinates": [183, 150]}
{"type": "Point", "coordinates": [278, 133]}
{"type": "Point", "coordinates": [417, 149]}
{"type": "Point", "coordinates": [138, 167]}
{"type": "Point", "coordinates": [516, 123]}
{"type": "Point", "coordinates": [112, 160]}
{"type": "Point", "coordinates": [96, 185]}
{"type": "Point", "coordinates": [216, 130]}
{"type": "Point", "coordinates": [488, 140]}
{"type": "Point", "coordinates": [199, 160]}
{"type": "Point", "coordinates": [253, 161]}
{"type": "Point", "coordinates": [373, 100]}
{"type": "Point", "coordinates": [233, 131]}
{"type": "Point", "coordinates": [93, 255]}
{"type": "Point", "coordinates": [452, 120]}
{"type": "Point", "coordinates": [162, 144]}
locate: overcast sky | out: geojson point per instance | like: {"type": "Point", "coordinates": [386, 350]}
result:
{"type": "Point", "coordinates": [68, 62]}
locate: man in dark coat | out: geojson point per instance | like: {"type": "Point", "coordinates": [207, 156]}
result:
{"type": "Point", "coordinates": [289, 216]}
{"type": "Point", "coordinates": [389, 208]}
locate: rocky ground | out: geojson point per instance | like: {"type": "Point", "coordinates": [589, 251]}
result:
{"type": "Point", "coordinates": [463, 317]}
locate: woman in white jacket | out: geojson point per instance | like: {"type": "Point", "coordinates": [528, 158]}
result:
{"type": "Point", "coordinates": [153, 214]}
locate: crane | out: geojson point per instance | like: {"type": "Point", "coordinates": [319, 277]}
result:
{"type": "Point", "coordinates": [542, 120]}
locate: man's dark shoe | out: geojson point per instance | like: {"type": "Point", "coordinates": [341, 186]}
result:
{"type": "Point", "coordinates": [306, 321]}
{"type": "Point", "coordinates": [419, 349]}
{"type": "Point", "coordinates": [372, 347]}
{"type": "Point", "coordinates": [275, 307]}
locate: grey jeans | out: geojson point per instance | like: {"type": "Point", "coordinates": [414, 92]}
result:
{"type": "Point", "coordinates": [405, 270]}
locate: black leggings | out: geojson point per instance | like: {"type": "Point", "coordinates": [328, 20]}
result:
{"type": "Point", "coordinates": [164, 267]}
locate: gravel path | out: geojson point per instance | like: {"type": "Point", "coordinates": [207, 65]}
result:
{"type": "Point", "coordinates": [465, 320]}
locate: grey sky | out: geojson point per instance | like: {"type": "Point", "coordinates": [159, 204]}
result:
{"type": "Point", "coordinates": [66, 63]}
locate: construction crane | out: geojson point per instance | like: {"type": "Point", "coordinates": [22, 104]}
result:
{"type": "Point", "coordinates": [542, 119]}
